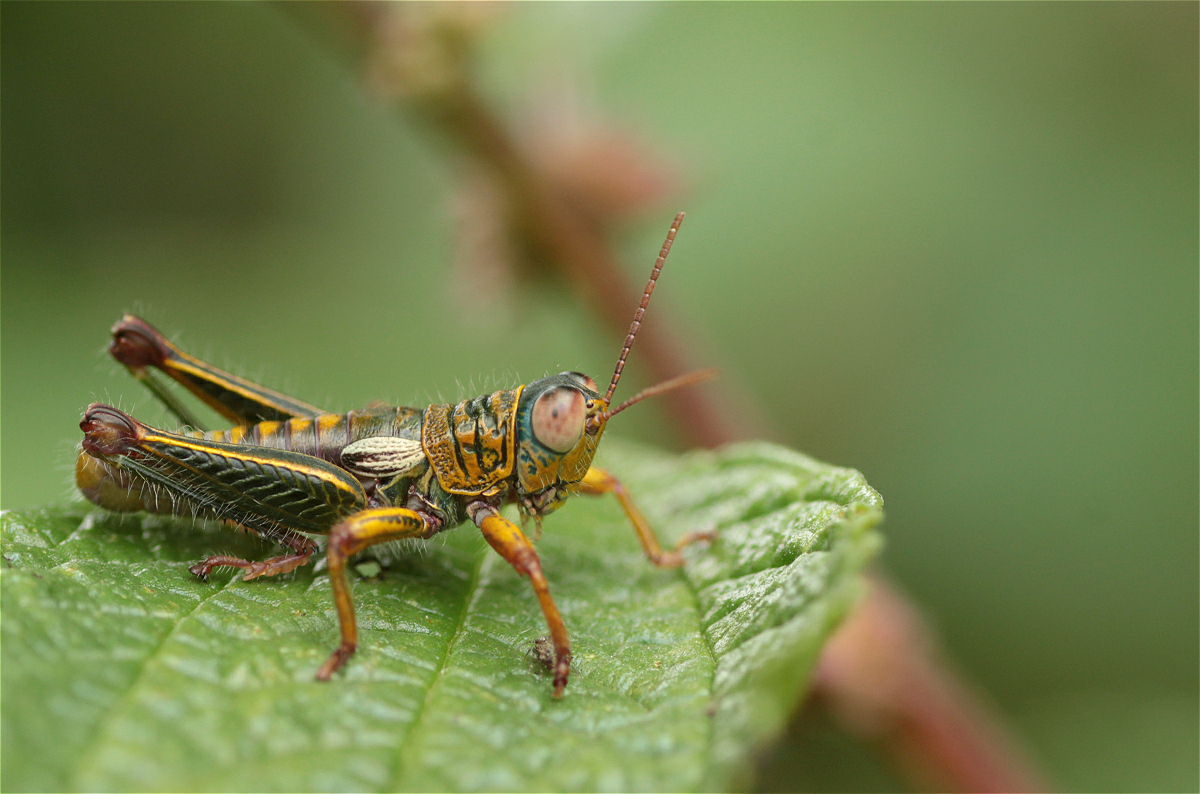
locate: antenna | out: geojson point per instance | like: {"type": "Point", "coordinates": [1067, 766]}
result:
{"type": "Point", "coordinates": [678, 382]}
{"type": "Point", "coordinates": [641, 310]}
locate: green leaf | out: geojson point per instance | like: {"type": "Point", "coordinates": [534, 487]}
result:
{"type": "Point", "coordinates": [121, 671]}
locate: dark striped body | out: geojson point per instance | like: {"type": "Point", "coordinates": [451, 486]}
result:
{"type": "Point", "coordinates": [326, 435]}
{"type": "Point", "coordinates": [266, 476]}
{"type": "Point", "coordinates": [292, 472]}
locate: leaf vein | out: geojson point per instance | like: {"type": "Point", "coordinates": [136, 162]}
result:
{"type": "Point", "coordinates": [87, 756]}
{"type": "Point", "coordinates": [473, 591]}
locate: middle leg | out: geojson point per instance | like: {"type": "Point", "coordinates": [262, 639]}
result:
{"type": "Point", "coordinates": [363, 529]}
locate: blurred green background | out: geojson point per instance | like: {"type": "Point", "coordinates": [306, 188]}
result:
{"type": "Point", "coordinates": [951, 245]}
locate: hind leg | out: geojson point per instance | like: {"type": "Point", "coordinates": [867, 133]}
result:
{"type": "Point", "coordinates": [275, 493]}
{"type": "Point", "coordinates": [302, 549]}
{"type": "Point", "coordinates": [140, 347]}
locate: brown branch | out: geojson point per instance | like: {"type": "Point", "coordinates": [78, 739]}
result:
{"type": "Point", "coordinates": [704, 417]}
{"type": "Point", "coordinates": [421, 58]}
{"type": "Point", "coordinates": [881, 674]}
{"type": "Point", "coordinates": [557, 234]}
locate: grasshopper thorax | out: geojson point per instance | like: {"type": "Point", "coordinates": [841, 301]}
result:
{"type": "Point", "coordinates": [557, 438]}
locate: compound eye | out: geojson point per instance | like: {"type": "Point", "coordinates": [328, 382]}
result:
{"type": "Point", "coordinates": [558, 419]}
{"type": "Point", "coordinates": [582, 380]}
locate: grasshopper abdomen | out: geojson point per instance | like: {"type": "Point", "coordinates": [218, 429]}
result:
{"type": "Point", "coordinates": [324, 436]}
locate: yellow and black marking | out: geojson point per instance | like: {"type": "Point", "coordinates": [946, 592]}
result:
{"type": "Point", "coordinates": [140, 346]}
{"type": "Point", "coordinates": [472, 445]}
{"type": "Point", "coordinates": [323, 436]}
{"type": "Point", "coordinates": [257, 487]}
{"type": "Point", "coordinates": [236, 399]}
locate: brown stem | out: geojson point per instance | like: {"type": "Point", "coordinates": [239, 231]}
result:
{"type": "Point", "coordinates": [704, 417]}
{"type": "Point", "coordinates": [883, 677]}
{"type": "Point", "coordinates": [880, 674]}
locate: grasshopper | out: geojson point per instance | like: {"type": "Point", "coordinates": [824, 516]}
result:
{"type": "Point", "coordinates": [287, 470]}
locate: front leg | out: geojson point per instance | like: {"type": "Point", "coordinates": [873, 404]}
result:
{"type": "Point", "coordinates": [598, 481]}
{"type": "Point", "coordinates": [510, 543]}
{"type": "Point", "coordinates": [363, 529]}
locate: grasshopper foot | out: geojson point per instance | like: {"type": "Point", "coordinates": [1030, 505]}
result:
{"type": "Point", "coordinates": [707, 535]}
{"type": "Point", "coordinates": [674, 558]}
{"type": "Point", "coordinates": [335, 661]}
{"type": "Point", "coordinates": [204, 568]}
{"type": "Point", "coordinates": [562, 669]}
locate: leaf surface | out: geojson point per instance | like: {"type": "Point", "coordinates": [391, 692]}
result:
{"type": "Point", "coordinates": [121, 671]}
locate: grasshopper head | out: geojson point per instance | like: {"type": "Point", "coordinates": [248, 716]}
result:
{"type": "Point", "coordinates": [557, 436]}
{"type": "Point", "coordinates": [560, 418]}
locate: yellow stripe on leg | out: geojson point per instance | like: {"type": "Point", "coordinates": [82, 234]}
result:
{"type": "Point", "coordinates": [363, 529]}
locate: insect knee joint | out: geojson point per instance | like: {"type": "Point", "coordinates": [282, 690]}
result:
{"type": "Point", "coordinates": [526, 562]}
{"type": "Point", "coordinates": [107, 431]}
{"type": "Point", "coordinates": [135, 344]}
